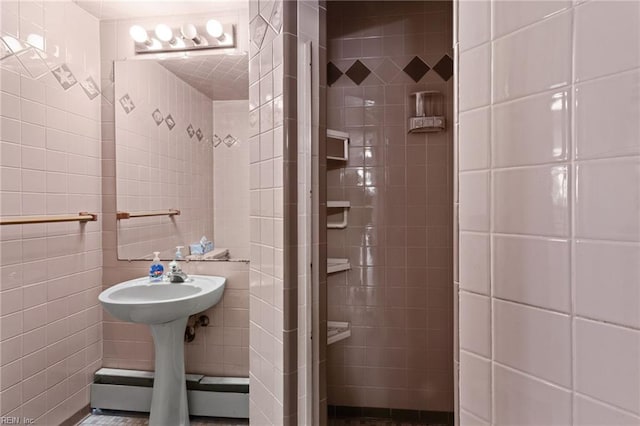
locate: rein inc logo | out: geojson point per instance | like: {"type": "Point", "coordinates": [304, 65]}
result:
{"type": "Point", "coordinates": [6, 420]}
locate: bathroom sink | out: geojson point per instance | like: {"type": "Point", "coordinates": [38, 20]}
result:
{"type": "Point", "coordinates": [165, 307]}
{"type": "Point", "coordinates": [140, 301]}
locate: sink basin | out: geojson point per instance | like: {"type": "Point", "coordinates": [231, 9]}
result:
{"type": "Point", "coordinates": [140, 301]}
{"type": "Point", "coordinates": [165, 307]}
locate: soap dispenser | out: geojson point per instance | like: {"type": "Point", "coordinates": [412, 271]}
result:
{"type": "Point", "coordinates": [175, 273]}
{"type": "Point", "coordinates": [156, 270]}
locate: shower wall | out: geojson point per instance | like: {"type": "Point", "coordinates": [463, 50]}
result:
{"type": "Point", "coordinates": [397, 295]}
{"type": "Point", "coordinates": [549, 158]}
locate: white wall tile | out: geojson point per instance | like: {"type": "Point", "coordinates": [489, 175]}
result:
{"type": "Point", "coordinates": [474, 23]}
{"type": "Point", "coordinates": [532, 130]}
{"type": "Point", "coordinates": [525, 401]}
{"type": "Point", "coordinates": [475, 263]}
{"type": "Point", "coordinates": [475, 78]}
{"type": "Point", "coordinates": [534, 271]}
{"type": "Point", "coordinates": [607, 38]}
{"type": "Point", "coordinates": [589, 412]}
{"type": "Point", "coordinates": [475, 385]}
{"type": "Point", "coordinates": [515, 75]}
{"type": "Point", "coordinates": [533, 340]}
{"type": "Point", "coordinates": [607, 277]}
{"type": "Point", "coordinates": [475, 323]}
{"type": "Point", "coordinates": [608, 199]}
{"type": "Point", "coordinates": [509, 16]}
{"type": "Point", "coordinates": [607, 112]}
{"type": "Point", "coordinates": [531, 200]}
{"type": "Point", "coordinates": [474, 210]}
{"type": "Point", "coordinates": [607, 366]}
{"type": "Point", "coordinates": [474, 139]}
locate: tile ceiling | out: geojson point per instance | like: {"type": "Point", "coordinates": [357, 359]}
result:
{"type": "Point", "coordinates": [220, 77]}
{"type": "Point", "coordinates": [126, 9]}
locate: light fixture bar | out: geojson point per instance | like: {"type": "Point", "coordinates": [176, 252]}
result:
{"type": "Point", "coordinates": [186, 38]}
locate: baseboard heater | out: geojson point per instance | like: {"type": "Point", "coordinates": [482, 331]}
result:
{"type": "Point", "coordinates": [130, 390]}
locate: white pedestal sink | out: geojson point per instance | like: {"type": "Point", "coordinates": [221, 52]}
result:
{"type": "Point", "coordinates": [166, 308]}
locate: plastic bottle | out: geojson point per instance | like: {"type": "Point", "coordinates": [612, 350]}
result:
{"type": "Point", "coordinates": [156, 270]}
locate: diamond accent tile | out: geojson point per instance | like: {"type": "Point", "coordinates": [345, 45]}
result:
{"type": "Point", "coordinates": [31, 60]}
{"type": "Point", "coordinates": [333, 73]}
{"type": "Point", "coordinates": [416, 69]}
{"type": "Point", "coordinates": [157, 116]}
{"type": "Point", "coordinates": [444, 67]}
{"type": "Point", "coordinates": [64, 76]}
{"type": "Point", "coordinates": [90, 88]}
{"type": "Point", "coordinates": [358, 72]}
{"type": "Point", "coordinates": [199, 134]}
{"type": "Point", "coordinates": [276, 17]}
{"type": "Point", "coordinates": [169, 121]}
{"type": "Point", "coordinates": [127, 103]}
{"type": "Point", "coordinates": [258, 31]}
{"type": "Point", "coordinates": [216, 140]}
{"type": "Point", "coordinates": [191, 131]}
{"type": "Point", "coordinates": [229, 140]}
{"type": "Point", "coordinates": [387, 70]}
{"type": "Point", "coordinates": [4, 49]}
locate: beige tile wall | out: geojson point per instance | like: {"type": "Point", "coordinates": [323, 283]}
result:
{"type": "Point", "coordinates": [161, 168]}
{"type": "Point", "coordinates": [273, 210]}
{"type": "Point", "coordinates": [398, 294]}
{"type": "Point", "coordinates": [549, 180]}
{"type": "Point", "coordinates": [50, 274]}
{"type": "Point", "coordinates": [222, 348]}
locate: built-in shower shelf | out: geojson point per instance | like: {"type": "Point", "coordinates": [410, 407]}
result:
{"type": "Point", "coordinates": [337, 330]}
{"type": "Point", "coordinates": [337, 145]}
{"type": "Point", "coordinates": [337, 220]}
{"type": "Point", "coordinates": [337, 265]}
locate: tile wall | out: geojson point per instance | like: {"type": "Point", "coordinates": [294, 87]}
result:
{"type": "Point", "coordinates": [273, 212]}
{"type": "Point", "coordinates": [50, 319]}
{"type": "Point", "coordinates": [222, 348]}
{"type": "Point", "coordinates": [231, 177]}
{"type": "Point", "coordinates": [397, 295]}
{"type": "Point", "coordinates": [549, 193]}
{"type": "Point", "coordinates": [164, 160]}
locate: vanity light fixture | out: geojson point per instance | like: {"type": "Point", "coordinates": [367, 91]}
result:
{"type": "Point", "coordinates": [189, 36]}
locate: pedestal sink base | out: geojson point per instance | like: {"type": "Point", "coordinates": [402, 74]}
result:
{"type": "Point", "coordinates": [169, 402]}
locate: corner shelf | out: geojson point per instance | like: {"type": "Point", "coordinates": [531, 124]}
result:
{"type": "Point", "coordinates": [337, 331]}
{"type": "Point", "coordinates": [344, 205]}
{"type": "Point", "coordinates": [335, 264]}
{"type": "Point", "coordinates": [337, 145]}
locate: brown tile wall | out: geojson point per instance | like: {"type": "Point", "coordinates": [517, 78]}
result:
{"type": "Point", "coordinates": [398, 294]}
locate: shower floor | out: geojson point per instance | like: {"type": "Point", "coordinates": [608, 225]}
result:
{"type": "Point", "coordinates": [367, 421]}
{"type": "Point", "coordinates": [114, 418]}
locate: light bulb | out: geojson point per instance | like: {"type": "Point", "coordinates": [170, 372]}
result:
{"type": "Point", "coordinates": [163, 32]}
{"type": "Point", "coordinates": [138, 34]}
{"type": "Point", "coordinates": [214, 28]}
{"type": "Point", "coordinates": [189, 31]}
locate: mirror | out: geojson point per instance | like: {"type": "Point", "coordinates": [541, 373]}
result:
{"type": "Point", "coordinates": [182, 156]}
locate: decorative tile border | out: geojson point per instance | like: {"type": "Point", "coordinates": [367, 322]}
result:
{"type": "Point", "coordinates": [64, 76]}
{"type": "Point", "coordinates": [191, 131]}
{"type": "Point", "coordinates": [90, 87]}
{"type": "Point", "coordinates": [127, 104]}
{"type": "Point", "coordinates": [199, 134]}
{"type": "Point", "coordinates": [157, 116]}
{"type": "Point", "coordinates": [169, 121]}
{"type": "Point", "coordinates": [416, 69]}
